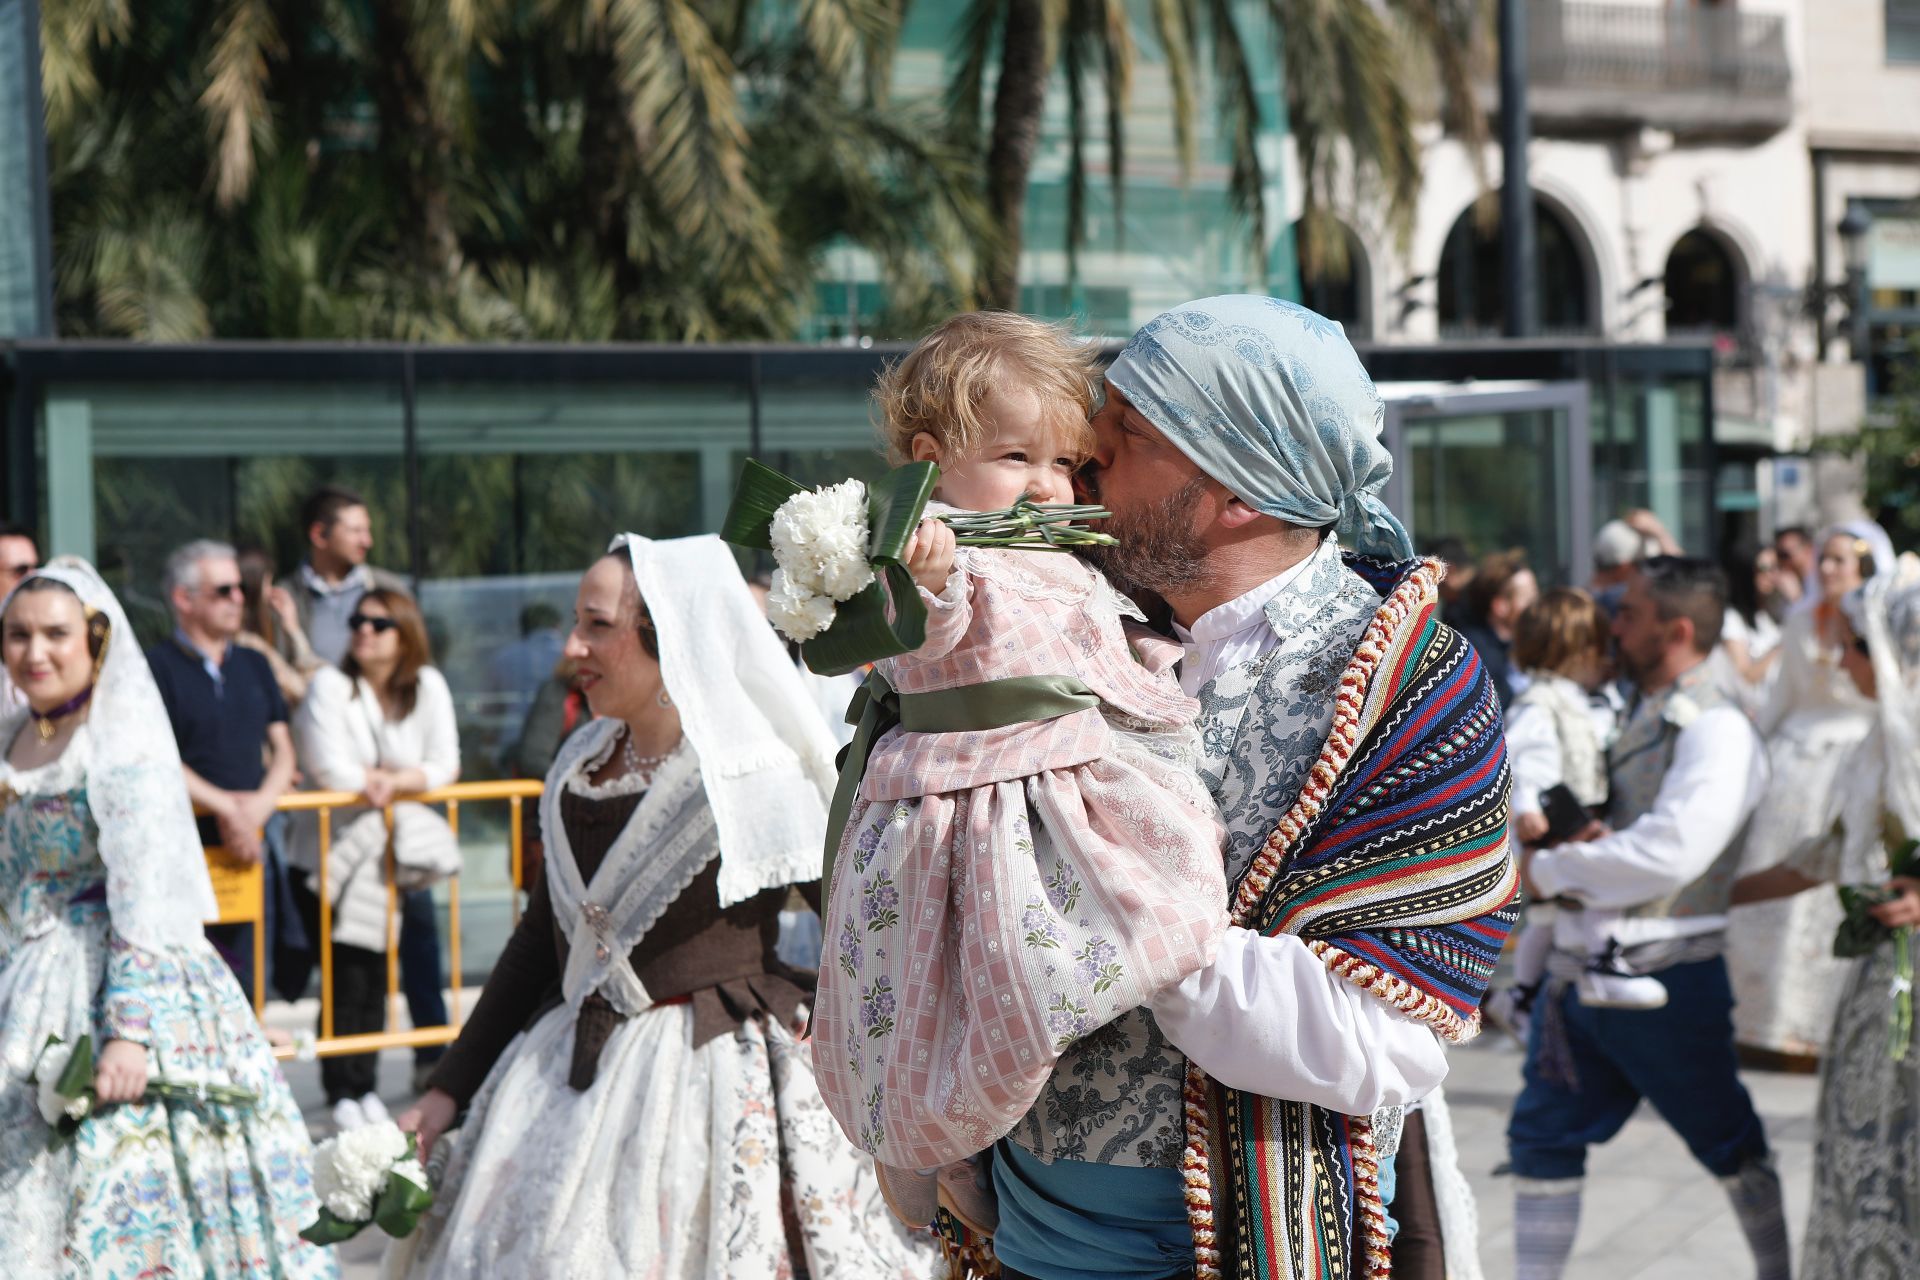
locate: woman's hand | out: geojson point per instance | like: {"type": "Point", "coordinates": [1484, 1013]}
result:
{"type": "Point", "coordinates": [1903, 910]}
{"type": "Point", "coordinates": [280, 600]}
{"type": "Point", "coordinates": [379, 788]}
{"type": "Point", "coordinates": [428, 1118]}
{"type": "Point", "coordinates": [121, 1073]}
{"type": "Point", "coordinates": [930, 556]}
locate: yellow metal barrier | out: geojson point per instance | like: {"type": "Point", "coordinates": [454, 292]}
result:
{"type": "Point", "coordinates": [241, 890]}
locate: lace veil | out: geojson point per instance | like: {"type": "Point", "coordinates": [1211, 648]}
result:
{"type": "Point", "coordinates": [766, 755]}
{"type": "Point", "coordinates": [157, 887]}
{"type": "Point", "coordinates": [1885, 778]}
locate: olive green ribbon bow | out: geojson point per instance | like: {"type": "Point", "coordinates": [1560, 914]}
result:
{"type": "Point", "coordinates": [991, 704]}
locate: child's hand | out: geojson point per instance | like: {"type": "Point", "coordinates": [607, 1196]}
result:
{"type": "Point", "coordinates": [930, 556]}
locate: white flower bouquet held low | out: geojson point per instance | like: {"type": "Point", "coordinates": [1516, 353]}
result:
{"type": "Point", "coordinates": [842, 590]}
{"type": "Point", "coordinates": [63, 1080]}
{"type": "Point", "coordinates": [368, 1176]}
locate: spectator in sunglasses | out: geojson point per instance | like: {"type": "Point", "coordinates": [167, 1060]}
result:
{"type": "Point", "coordinates": [381, 725]}
{"type": "Point", "coordinates": [231, 723]}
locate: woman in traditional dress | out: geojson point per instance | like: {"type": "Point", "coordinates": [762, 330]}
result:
{"type": "Point", "coordinates": [1779, 956]}
{"type": "Point", "coordinates": [100, 936]}
{"type": "Point", "coordinates": [637, 1103]}
{"type": "Point", "coordinates": [1866, 1183]}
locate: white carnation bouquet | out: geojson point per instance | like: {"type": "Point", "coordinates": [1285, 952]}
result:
{"type": "Point", "coordinates": [368, 1176]}
{"type": "Point", "coordinates": [63, 1083]}
{"type": "Point", "coordinates": [841, 588]}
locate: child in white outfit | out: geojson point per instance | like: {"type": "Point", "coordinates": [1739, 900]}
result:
{"type": "Point", "coordinates": [1557, 734]}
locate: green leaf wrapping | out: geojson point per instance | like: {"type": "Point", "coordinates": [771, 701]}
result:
{"type": "Point", "coordinates": [882, 621]}
{"type": "Point", "coordinates": [758, 495]}
{"type": "Point", "coordinates": [894, 509]}
{"type": "Point", "coordinates": [401, 1203]}
{"type": "Point", "coordinates": [78, 1077]}
{"type": "Point", "coordinates": [1859, 933]}
{"type": "Point", "coordinates": [329, 1230]}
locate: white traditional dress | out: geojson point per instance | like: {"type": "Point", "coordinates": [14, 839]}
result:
{"type": "Point", "coordinates": [1865, 1223]}
{"type": "Point", "coordinates": [1780, 954]}
{"type": "Point", "coordinates": [100, 935]}
{"type": "Point", "coordinates": [656, 1116]}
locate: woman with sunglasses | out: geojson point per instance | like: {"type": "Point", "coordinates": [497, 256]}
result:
{"type": "Point", "coordinates": [381, 726]}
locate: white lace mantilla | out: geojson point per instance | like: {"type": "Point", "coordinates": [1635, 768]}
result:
{"type": "Point", "coordinates": [669, 840]}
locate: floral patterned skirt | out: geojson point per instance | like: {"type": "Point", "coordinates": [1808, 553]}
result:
{"type": "Point", "coordinates": [972, 936]}
{"type": "Point", "coordinates": [677, 1164]}
{"type": "Point", "coordinates": [148, 1189]}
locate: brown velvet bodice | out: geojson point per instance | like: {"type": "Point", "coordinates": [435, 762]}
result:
{"type": "Point", "coordinates": [720, 962]}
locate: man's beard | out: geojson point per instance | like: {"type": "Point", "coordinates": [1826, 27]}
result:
{"type": "Point", "coordinates": [1158, 550]}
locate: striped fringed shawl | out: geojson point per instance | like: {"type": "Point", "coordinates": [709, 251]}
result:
{"type": "Point", "coordinates": [1393, 864]}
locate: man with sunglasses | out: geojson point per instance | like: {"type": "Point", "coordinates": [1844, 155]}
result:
{"type": "Point", "coordinates": [230, 720]}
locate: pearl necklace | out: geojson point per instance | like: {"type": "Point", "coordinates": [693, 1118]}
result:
{"type": "Point", "coordinates": [637, 763]}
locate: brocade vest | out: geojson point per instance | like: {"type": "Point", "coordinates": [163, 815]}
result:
{"type": "Point", "coordinates": [1637, 764]}
{"type": "Point", "coordinates": [1115, 1095]}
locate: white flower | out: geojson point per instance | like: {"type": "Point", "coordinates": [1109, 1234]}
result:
{"type": "Point", "coordinates": [798, 613]}
{"type": "Point", "coordinates": [820, 540]}
{"type": "Point", "coordinates": [350, 1171]}
{"type": "Point", "coordinates": [412, 1171]}
{"type": "Point", "coordinates": [1681, 711]}
{"type": "Point", "coordinates": [46, 1076]}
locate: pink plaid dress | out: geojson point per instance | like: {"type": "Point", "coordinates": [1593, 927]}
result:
{"type": "Point", "coordinates": [1001, 893]}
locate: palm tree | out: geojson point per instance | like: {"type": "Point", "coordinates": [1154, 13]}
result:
{"type": "Point", "coordinates": [449, 169]}
{"type": "Point", "coordinates": [1345, 64]}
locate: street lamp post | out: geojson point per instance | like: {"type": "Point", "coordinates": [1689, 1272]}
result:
{"type": "Point", "coordinates": [1518, 259]}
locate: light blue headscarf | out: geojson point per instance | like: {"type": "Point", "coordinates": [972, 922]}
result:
{"type": "Point", "coordinates": [1269, 399]}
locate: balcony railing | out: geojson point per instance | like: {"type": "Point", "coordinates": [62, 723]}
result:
{"type": "Point", "coordinates": [240, 890]}
{"type": "Point", "coordinates": [1690, 69]}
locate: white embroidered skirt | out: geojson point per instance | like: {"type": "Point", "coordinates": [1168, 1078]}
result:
{"type": "Point", "coordinates": [677, 1164]}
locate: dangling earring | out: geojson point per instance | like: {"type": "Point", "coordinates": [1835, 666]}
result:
{"type": "Point", "coordinates": [662, 698]}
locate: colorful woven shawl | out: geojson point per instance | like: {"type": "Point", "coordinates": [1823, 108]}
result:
{"type": "Point", "coordinates": [1393, 864]}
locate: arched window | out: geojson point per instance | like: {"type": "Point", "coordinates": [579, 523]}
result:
{"type": "Point", "coordinates": [1470, 294]}
{"type": "Point", "coordinates": [1703, 285]}
{"type": "Point", "coordinates": [1339, 292]}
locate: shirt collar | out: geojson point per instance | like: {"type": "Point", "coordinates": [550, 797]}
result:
{"type": "Point", "coordinates": [356, 577]}
{"type": "Point", "coordinates": [194, 651]}
{"type": "Point", "coordinates": [1243, 612]}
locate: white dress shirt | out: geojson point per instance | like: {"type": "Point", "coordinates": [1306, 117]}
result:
{"type": "Point", "coordinates": [1232, 634]}
{"type": "Point", "coordinates": [1267, 1016]}
{"type": "Point", "coordinates": [1718, 772]}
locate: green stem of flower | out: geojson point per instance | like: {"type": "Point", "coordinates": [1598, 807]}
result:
{"type": "Point", "coordinates": [1901, 1032]}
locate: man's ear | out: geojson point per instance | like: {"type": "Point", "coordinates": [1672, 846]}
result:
{"type": "Point", "coordinates": [1237, 514]}
{"type": "Point", "coordinates": [925, 448]}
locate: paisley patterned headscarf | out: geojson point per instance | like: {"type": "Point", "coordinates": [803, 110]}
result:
{"type": "Point", "coordinates": [1270, 399]}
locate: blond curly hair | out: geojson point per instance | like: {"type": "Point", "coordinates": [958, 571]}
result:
{"type": "Point", "coordinates": [941, 386]}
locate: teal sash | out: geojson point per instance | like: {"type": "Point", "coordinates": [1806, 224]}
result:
{"type": "Point", "coordinates": [991, 704]}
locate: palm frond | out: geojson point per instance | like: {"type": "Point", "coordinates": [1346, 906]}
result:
{"type": "Point", "coordinates": [976, 36]}
{"type": "Point", "coordinates": [836, 32]}
{"type": "Point", "coordinates": [1456, 34]}
{"type": "Point", "coordinates": [71, 33]}
{"type": "Point", "coordinates": [148, 277]}
{"type": "Point", "coordinates": [235, 100]}
{"type": "Point", "coordinates": [1173, 25]}
{"type": "Point", "coordinates": [1240, 112]}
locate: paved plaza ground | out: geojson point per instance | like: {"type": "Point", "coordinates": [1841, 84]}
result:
{"type": "Point", "coordinates": [1651, 1213]}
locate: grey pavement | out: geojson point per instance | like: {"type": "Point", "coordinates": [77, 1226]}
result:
{"type": "Point", "coordinates": [1651, 1213]}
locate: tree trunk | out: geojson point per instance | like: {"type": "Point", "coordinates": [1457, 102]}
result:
{"type": "Point", "coordinates": [1018, 101]}
{"type": "Point", "coordinates": [415, 143]}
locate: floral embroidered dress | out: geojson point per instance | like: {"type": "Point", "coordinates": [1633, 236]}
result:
{"type": "Point", "coordinates": [146, 1189]}
{"type": "Point", "coordinates": [1001, 893]}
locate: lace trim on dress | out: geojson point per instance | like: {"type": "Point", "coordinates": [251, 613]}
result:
{"type": "Point", "coordinates": [56, 776]}
{"type": "Point", "coordinates": [627, 784]}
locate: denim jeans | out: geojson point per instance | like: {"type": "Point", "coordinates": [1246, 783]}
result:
{"type": "Point", "coordinates": [421, 978]}
{"type": "Point", "coordinates": [1679, 1057]}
